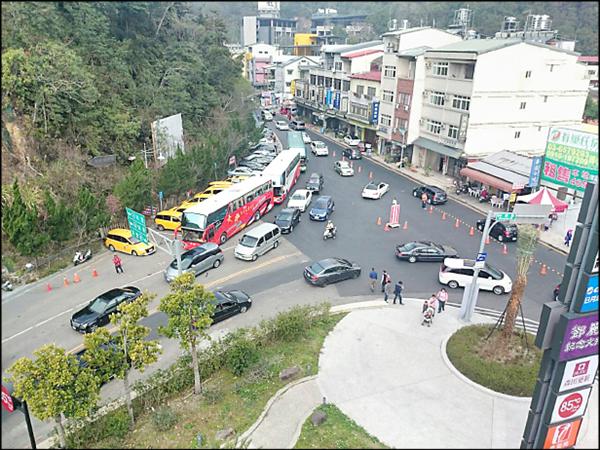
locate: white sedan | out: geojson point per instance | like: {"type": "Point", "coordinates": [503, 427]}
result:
{"type": "Point", "coordinates": [351, 140]}
{"type": "Point", "coordinates": [343, 168]}
{"type": "Point", "coordinates": [301, 199]}
{"type": "Point", "coordinates": [375, 190]}
{"type": "Point", "coordinates": [282, 125]}
{"type": "Point", "coordinates": [318, 148]}
{"type": "Point", "coordinates": [306, 138]}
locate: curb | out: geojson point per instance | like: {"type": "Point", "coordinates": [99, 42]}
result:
{"type": "Point", "coordinates": [265, 411]}
{"type": "Point", "coordinates": [471, 383]}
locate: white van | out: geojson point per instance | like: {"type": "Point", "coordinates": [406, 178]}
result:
{"type": "Point", "coordinates": [456, 273]}
{"type": "Point", "coordinates": [258, 241]}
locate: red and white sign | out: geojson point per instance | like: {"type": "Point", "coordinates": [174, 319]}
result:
{"type": "Point", "coordinates": [563, 435]}
{"type": "Point", "coordinates": [7, 400]}
{"type": "Point", "coordinates": [570, 406]}
{"type": "Point", "coordinates": [579, 372]}
{"type": "Point", "coordinates": [395, 215]}
{"type": "Point", "coordinates": [232, 160]}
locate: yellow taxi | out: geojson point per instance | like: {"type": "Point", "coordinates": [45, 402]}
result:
{"type": "Point", "coordinates": [120, 240]}
{"type": "Point", "coordinates": [224, 183]}
{"type": "Point", "coordinates": [169, 219]}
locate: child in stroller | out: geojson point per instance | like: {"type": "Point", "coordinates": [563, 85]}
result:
{"type": "Point", "coordinates": [428, 313]}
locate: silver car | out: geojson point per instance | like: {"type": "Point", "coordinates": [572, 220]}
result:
{"type": "Point", "coordinates": [197, 260]}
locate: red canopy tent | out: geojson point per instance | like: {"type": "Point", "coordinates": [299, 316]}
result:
{"type": "Point", "coordinates": [544, 197]}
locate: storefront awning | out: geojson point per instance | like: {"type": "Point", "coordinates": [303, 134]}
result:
{"type": "Point", "coordinates": [438, 148]}
{"type": "Point", "coordinates": [487, 180]}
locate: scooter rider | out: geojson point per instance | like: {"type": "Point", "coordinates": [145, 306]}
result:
{"type": "Point", "coordinates": [330, 228]}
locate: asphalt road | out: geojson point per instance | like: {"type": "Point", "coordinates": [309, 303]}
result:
{"type": "Point", "coordinates": [33, 316]}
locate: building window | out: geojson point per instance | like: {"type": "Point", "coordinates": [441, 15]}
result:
{"type": "Point", "coordinates": [389, 71]}
{"type": "Point", "coordinates": [371, 91]}
{"type": "Point", "coordinates": [460, 102]}
{"type": "Point", "coordinates": [440, 69]}
{"type": "Point", "coordinates": [313, 79]}
{"type": "Point", "coordinates": [338, 65]}
{"type": "Point", "coordinates": [345, 85]}
{"type": "Point", "coordinates": [337, 84]}
{"type": "Point", "coordinates": [469, 71]}
{"type": "Point", "coordinates": [517, 134]}
{"type": "Point", "coordinates": [545, 99]}
{"type": "Point", "coordinates": [360, 90]}
{"type": "Point", "coordinates": [401, 124]}
{"type": "Point", "coordinates": [388, 96]}
{"type": "Point", "coordinates": [328, 82]}
{"type": "Point", "coordinates": [453, 132]}
{"type": "Point", "coordinates": [359, 110]}
{"type": "Point", "coordinates": [386, 120]}
{"type": "Point", "coordinates": [552, 67]}
{"type": "Point", "coordinates": [290, 71]}
{"type": "Point", "coordinates": [436, 98]}
{"type": "Point", "coordinates": [288, 83]}
{"type": "Point", "coordinates": [523, 104]}
{"type": "Point", "coordinates": [404, 99]}
{"type": "Point", "coordinates": [528, 74]}
{"type": "Point", "coordinates": [433, 126]}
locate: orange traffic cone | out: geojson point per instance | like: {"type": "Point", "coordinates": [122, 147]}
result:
{"type": "Point", "coordinates": [457, 223]}
{"type": "Point", "coordinates": [405, 227]}
{"type": "Point", "coordinates": [94, 273]}
{"type": "Point", "coordinates": [431, 210]}
{"type": "Point", "coordinates": [48, 287]}
{"type": "Point", "coordinates": [359, 169]}
{"type": "Point", "coordinates": [504, 249]}
{"type": "Point", "coordinates": [444, 215]}
{"type": "Point", "coordinates": [379, 221]}
{"type": "Point", "coordinates": [543, 270]}
{"type": "Point", "coordinates": [386, 227]}
{"type": "Point", "coordinates": [487, 240]}
{"type": "Point", "coordinates": [334, 153]}
{"type": "Point", "coordinates": [76, 278]}
{"type": "Point", "coordinates": [370, 175]}
{"type": "Point", "coordinates": [472, 232]}
{"type": "Point", "coordinates": [66, 282]}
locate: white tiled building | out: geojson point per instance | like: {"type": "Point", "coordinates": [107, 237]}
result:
{"type": "Point", "coordinates": [287, 72]}
{"type": "Point", "coordinates": [484, 96]}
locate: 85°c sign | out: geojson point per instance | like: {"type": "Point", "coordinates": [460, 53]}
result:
{"type": "Point", "coordinates": [570, 406]}
{"type": "Point", "coordinates": [7, 401]}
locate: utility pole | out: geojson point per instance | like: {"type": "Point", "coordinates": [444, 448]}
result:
{"type": "Point", "coordinates": [469, 301]}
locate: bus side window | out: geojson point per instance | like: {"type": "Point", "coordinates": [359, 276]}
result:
{"type": "Point", "coordinates": [210, 233]}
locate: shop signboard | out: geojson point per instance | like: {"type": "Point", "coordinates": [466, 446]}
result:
{"type": "Point", "coordinates": [570, 405]}
{"type": "Point", "coordinates": [336, 100]}
{"type": "Point", "coordinates": [535, 171]}
{"type": "Point", "coordinates": [577, 373]}
{"type": "Point", "coordinates": [571, 158]}
{"type": "Point", "coordinates": [563, 435]}
{"type": "Point", "coordinates": [579, 336]}
{"type": "Point", "coordinates": [375, 113]}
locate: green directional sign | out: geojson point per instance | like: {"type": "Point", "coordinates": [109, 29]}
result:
{"type": "Point", "coordinates": [504, 216]}
{"type": "Point", "coordinates": [137, 225]}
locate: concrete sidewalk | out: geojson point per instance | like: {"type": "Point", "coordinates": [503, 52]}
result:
{"type": "Point", "coordinates": [392, 377]}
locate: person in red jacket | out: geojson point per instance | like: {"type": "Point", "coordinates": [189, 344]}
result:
{"type": "Point", "coordinates": [117, 263]}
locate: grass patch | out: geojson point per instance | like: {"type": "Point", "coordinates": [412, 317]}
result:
{"type": "Point", "coordinates": [474, 358]}
{"type": "Point", "coordinates": [228, 400]}
{"type": "Point", "coordinates": [338, 431]}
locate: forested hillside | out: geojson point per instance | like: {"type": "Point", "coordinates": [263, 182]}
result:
{"type": "Point", "coordinates": [574, 20]}
{"type": "Point", "coordinates": [81, 79]}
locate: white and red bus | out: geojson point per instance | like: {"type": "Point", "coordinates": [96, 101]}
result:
{"type": "Point", "coordinates": [283, 171]}
{"type": "Point", "coordinates": [219, 217]}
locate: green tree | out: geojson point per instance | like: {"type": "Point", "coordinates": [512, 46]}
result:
{"type": "Point", "coordinates": [89, 213]}
{"type": "Point", "coordinates": [190, 308]}
{"type": "Point", "coordinates": [59, 218]}
{"type": "Point", "coordinates": [127, 349]}
{"type": "Point", "coordinates": [135, 190]}
{"type": "Point", "coordinates": [22, 225]}
{"type": "Point", "coordinates": [53, 385]}
{"type": "Point", "coordinates": [591, 108]}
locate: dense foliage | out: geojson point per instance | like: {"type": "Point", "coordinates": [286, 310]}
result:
{"type": "Point", "coordinates": [84, 79]}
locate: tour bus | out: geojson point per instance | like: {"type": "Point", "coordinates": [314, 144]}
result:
{"type": "Point", "coordinates": [283, 171]}
{"type": "Point", "coordinates": [296, 143]}
{"type": "Point", "coordinates": [221, 216]}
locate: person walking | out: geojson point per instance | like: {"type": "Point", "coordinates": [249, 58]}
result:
{"type": "Point", "coordinates": [386, 291]}
{"type": "Point", "coordinates": [385, 279]}
{"type": "Point", "coordinates": [568, 237]}
{"type": "Point", "coordinates": [423, 200]}
{"type": "Point", "coordinates": [442, 298]}
{"type": "Point", "coordinates": [117, 263]}
{"type": "Point", "coordinates": [373, 279]}
{"type": "Point", "coordinates": [398, 292]}
{"type": "Point", "coordinates": [433, 301]}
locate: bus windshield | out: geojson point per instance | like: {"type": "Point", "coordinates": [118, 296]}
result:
{"type": "Point", "coordinates": [193, 220]}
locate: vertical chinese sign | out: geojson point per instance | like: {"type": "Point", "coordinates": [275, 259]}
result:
{"type": "Point", "coordinates": [571, 158]}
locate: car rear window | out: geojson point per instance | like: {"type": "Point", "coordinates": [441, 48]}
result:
{"type": "Point", "coordinates": [321, 204]}
{"type": "Point", "coordinates": [316, 268]}
{"type": "Point", "coordinates": [409, 246]}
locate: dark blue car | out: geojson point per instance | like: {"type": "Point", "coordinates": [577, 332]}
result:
{"type": "Point", "coordinates": [322, 208]}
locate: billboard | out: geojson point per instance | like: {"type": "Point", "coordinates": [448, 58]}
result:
{"type": "Point", "coordinates": [571, 158]}
{"type": "Point", "coordinates": [167, 135]}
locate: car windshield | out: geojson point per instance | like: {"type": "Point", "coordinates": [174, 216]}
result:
{"type": "Point", "coordinates": [321, 204]}
{"type": "Point", "coordinates": [319, 144]}
{"type": "Point", "coordinates": [316, 268]}
{"type": "Point", "coordinates": [186, 262]}
{"type": "Point", "coordinates": [99, 305]}
{"type": "Point", "coordinates": [298, 197]}
{"type": "Point", "coordinates": [134, 240]}
{"type": "Point", "coordinates": [284, 216]}
{"type": "Point", "coordinates": [494, 272]}
{"type": "Point", "coordinates": [248, 241]}
{"type": "Point", "coordinates": [344, 165]}
{"type": "Point", "coordinates": [409, 246]}
{"type": "Point", "coordinates": [193, 220]}
{"type": "Point", "coordinates": [313, 179]}
{"type": "Point", "coordinates": [371, 186]}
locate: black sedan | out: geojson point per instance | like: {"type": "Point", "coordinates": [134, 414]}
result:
{"type": "Point", "coordinates": [435, 195]}
{"type": "Point", "coordinates": [315, 182]}
{"type": "Point", "coordinates": [499, 230]}
{"type": "Point", "coordinates": [287, 219]}
{"type": "Point", "coordinates": [424, 251]}
{"type": "Point", "coordinates": [330, 270]}
{"type": "Point", "coordinates": [352, 153]}
{"type": "Point", "coordinates": [97, 312]}
{"type": "Point", "coordinates": [230, 303]}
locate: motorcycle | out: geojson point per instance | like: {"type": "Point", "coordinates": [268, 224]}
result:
{"type": "Point", "coordinates": [7, 286]}
{"type": "Point", "coordinates": [484, 198]}
{"type": "Point", "coordinates": [80, 258]}
{"type": "Point", "coordinates": [461, 188]}
{"type": "Point", "coordinates": [329, 233]}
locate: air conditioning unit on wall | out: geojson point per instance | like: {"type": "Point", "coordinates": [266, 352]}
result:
{"type": "Point", "coordinates": [405, 107]}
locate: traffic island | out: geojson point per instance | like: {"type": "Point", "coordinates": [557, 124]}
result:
{"type": "Point", "coordinates": [480, 360]}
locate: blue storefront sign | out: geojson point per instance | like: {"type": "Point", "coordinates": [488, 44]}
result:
{"type": "Point", "coordinates": [328, 97]}
{"type": "Point", "coordinates": [536, 170]}
{"type": "Point", "coordinates": [375, 113]}
{"type": "Point", "coordinates": [590, 299]}
{"type": "Point", "coordinates": [336, 100]}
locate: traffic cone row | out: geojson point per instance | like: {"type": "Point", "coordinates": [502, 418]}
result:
{"type": "Point", "coordinates": [543, 270]}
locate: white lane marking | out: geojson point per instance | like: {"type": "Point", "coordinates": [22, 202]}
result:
{"type": "Point", "coordinates": [54, 317]}
{"type": "Point", "coordinates": [19, 333]}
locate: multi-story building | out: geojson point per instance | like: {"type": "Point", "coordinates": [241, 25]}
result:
{"type": "Point", "coordinates": [258, 59]}
{"type": "Point", "coordinates": [268, 30]}
{"type": "Point", "coordinates": [591, 69]}
{"type": "Point", "coordinates": [285, 74]}
{"type": "Point", "coordinates": [403, 75]}
{"type": "Point", "coordinates": [484, 96]}
{"type": "Point", "coordinates": [364, 101]}
{"type": "Point", "coordinates": [322, 93]}
{"type": "Point", "coordinates": [325, 20]}
{"type": "Point", "coordinates": [305, 44]}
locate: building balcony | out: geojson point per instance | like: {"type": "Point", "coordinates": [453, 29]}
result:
{"type": "Point", "coordinates": [358, 118]}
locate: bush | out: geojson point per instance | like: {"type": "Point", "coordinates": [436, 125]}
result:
{"type": "Point", "coordinates": [295, 323]}
{"type": "Point", "coordinates": [164, 418]}
{"type": "Point", "coordinates": [241, 352]}
{"type": "Point", "coordinates": [212, 395]}
{"type": "Point", "coordinates": [117, 424]}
